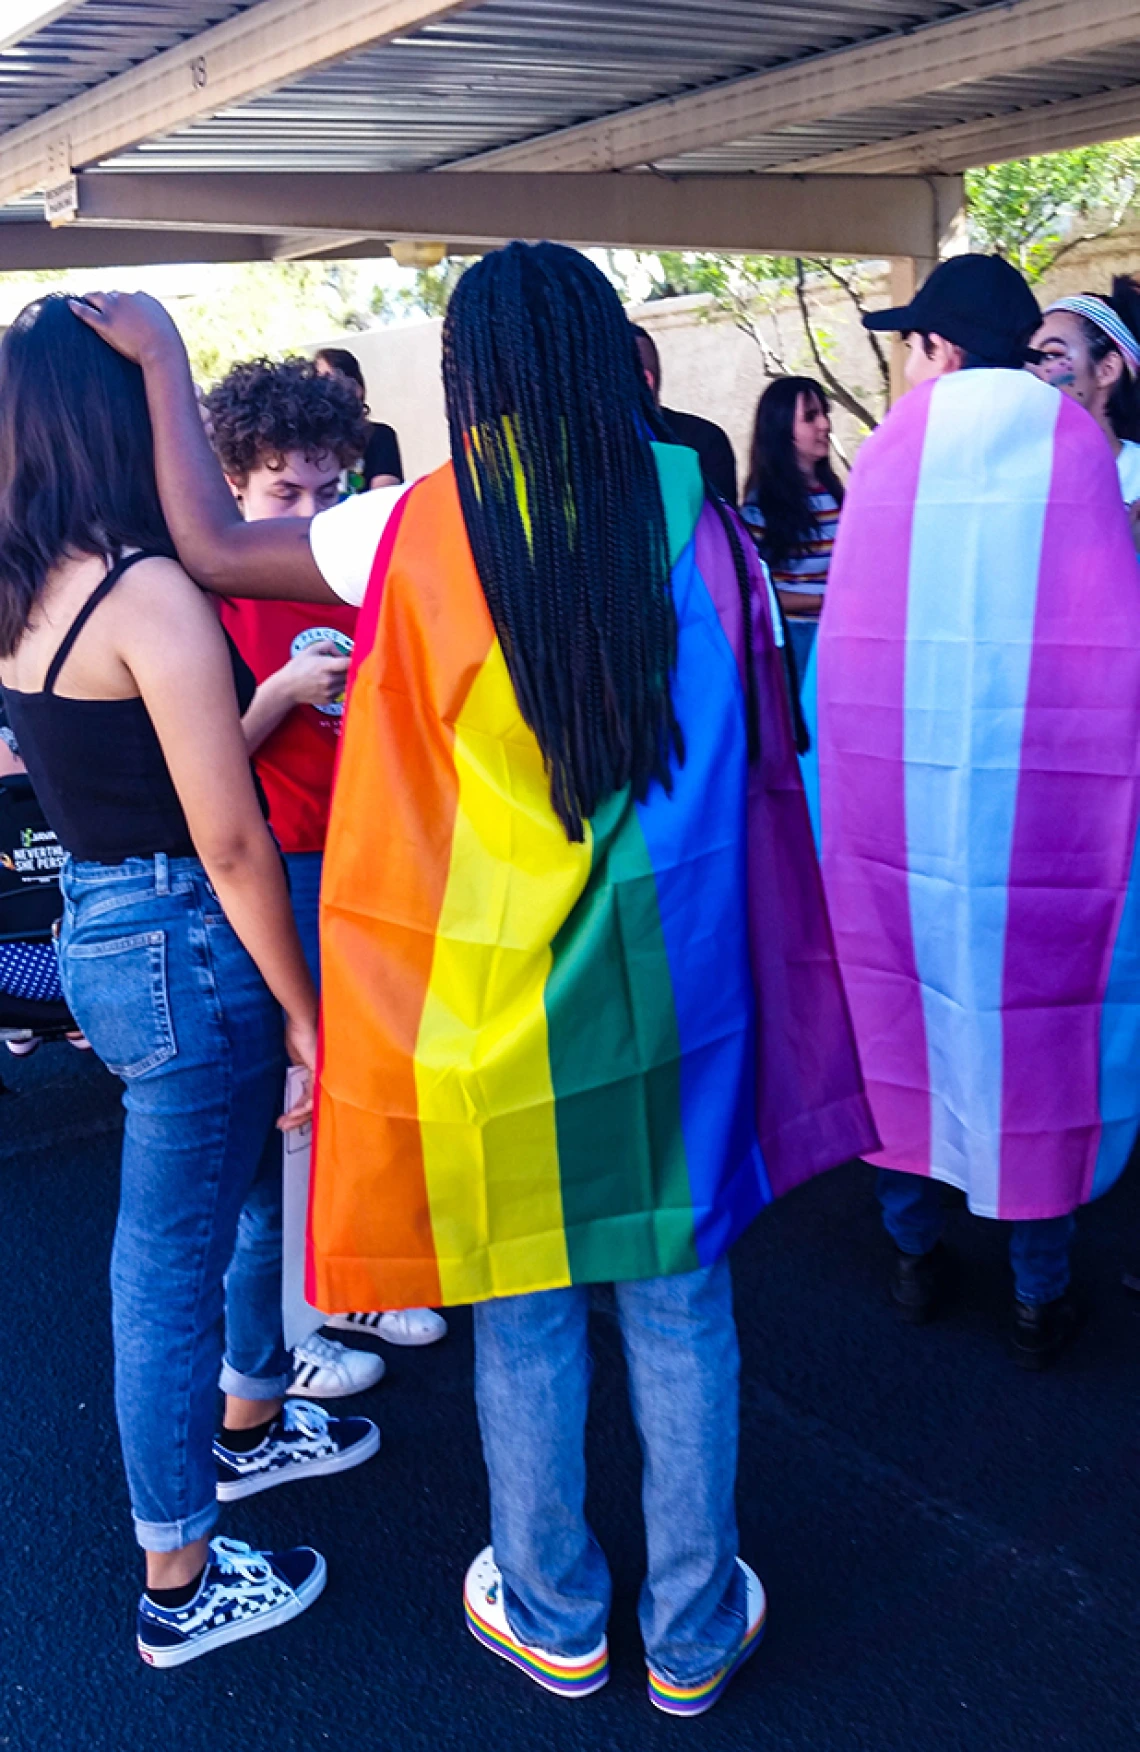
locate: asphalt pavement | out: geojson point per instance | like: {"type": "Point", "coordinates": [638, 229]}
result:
{"type": "Point", "coordinates": [951, 1547]}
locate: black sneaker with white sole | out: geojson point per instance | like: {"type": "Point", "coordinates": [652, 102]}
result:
{"type": "Point", "coordinates": [304, 1442]}
{"type": "Point", "coordinates": [242, 1592]}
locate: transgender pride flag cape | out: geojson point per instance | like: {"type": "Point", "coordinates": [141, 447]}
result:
{"type": "Point", "coordinates": [546, 1063]}
{"type": "Point", "coordinates": [978, 725]}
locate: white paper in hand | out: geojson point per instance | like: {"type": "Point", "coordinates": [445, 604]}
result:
{"type": "Point", "coordinates": [299, 1316]}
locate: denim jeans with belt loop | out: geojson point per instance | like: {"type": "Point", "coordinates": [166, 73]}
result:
{"type": "Point", "coordinates": [172, 1003]}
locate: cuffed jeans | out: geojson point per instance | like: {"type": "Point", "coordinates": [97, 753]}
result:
{"type": "Point", "coordinates": [1038, 1248]}
{"type": "Point", "coordinates": [532, 1372]}
{"type": "Point", "coordinates": [172, 1003]}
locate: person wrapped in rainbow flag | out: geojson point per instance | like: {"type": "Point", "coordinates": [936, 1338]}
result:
{"type": "Point", "coordinates": [978, 794]}
{"type": "Point", "coordinates": [582, 1019]}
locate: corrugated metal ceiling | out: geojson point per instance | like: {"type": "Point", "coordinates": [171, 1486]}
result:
{"type": "Point", "coordinates": [1002, 95]}
{"type": "Point", "coordinates": [506, 70]}
{"type": "Point", "coordinates": [503, 71]}
{"type": "Point", "coordinates": [95, 42]}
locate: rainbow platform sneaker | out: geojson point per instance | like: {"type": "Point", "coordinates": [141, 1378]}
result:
{"type": "Point", "coordinates": [565, 1675]}
{"type": "Point", "coordinates": [693, 1700]}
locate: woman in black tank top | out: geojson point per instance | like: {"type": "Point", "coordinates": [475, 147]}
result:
{"type": "Point", "coordinates": [178, 950]}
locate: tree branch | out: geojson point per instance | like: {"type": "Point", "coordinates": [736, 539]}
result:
{"type": "Point", "coordinates": [851, 286]}
{"type": "Point", "coordinates": [839, 391]}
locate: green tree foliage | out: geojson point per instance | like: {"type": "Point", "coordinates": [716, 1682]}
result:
{"type": "Point", "coordinates": [271, 308]}
{"type": "Point", "coordinates": [1034, 211]}
{"type": "Point", "coordinates": [776, 301]}
{"type": "Point", "coordinates": [237, 311]}
{"type": "Point", "coordinates": [430, 292]}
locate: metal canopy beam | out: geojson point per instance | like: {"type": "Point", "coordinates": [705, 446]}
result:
{"type": "Point", "coordinates": [264, 47]}
{"type": "Point", "coordinates": [36, 245]}
{"type": "Point", "coordinates": [1001, 39]}
{"type": "Point", "coordinates": [1053, 127]}
{"type": "Point", "coordinates": [816, 215]}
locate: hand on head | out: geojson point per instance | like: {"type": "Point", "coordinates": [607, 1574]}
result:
{"type": "Point", "coordinates": [134, 323]}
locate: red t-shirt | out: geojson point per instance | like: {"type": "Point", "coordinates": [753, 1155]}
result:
{"type": "Point", "coordinates": [295, 764]}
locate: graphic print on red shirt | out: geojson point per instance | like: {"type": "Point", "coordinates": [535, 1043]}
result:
{"type": "Point", "coordinates": [295, 764]}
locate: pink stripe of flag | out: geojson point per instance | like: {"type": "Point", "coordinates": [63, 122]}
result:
{"type": "Point", "coordinates": [862, 782]}
{"type": "Point", "coordinates": [1074, 830]}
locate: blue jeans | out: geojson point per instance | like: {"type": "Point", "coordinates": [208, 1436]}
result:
{"type": "Point", "coordinates": [532, 1380]}
{"type": "Point", "coordinates": [172, 1004]}
{"type": "Point", "coordinates": [305, 893]}
{"type": "Point", "coordinates": [1038, 1248]}
{"type": "Point", "coordinates": [255, 1271]}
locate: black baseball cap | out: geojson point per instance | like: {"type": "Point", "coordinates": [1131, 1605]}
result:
{"type": "Point", "coordinates": [979, 302]}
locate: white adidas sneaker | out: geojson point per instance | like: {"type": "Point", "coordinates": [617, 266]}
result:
{"type": "Point", "coordinates": [324, 1369]}
{"type": "Point", "coordinates": [404, 1326]}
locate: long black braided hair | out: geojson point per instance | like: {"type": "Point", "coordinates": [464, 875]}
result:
{"type": "Point", "coordinates": [551, 420]}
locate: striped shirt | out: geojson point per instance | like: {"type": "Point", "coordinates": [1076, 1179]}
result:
{"type": "Point", "coordinates": [805, 573]}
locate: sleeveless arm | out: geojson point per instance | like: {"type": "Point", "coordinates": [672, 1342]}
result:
{"type": "Point", "coordinates": [171, 640]}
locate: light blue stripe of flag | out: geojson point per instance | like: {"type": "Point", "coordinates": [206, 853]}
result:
{"type": "Point", "coordinates": [970, 621]}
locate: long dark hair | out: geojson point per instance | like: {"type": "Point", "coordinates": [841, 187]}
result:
{"type": "Point", "coordinates": [775, 480]}
{"type": "Point", "coordinates": [340, 359]}
{"type": "Point", "coordinates": [76, 456]}
{"type": "Point", "coordinates": [1124, 402]}
{"type": "Point", "coordinates": [551, 420]}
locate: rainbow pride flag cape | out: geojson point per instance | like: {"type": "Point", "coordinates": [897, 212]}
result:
{"type": "Point", "coordinates": [547, 1063]}
{"type": "Point", "coordinates": [977, 792]}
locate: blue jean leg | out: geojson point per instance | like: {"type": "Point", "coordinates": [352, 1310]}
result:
{"type": "Point", "coordinates": [912, 1209]}
{"type": "Point", "coordinates": [1039, 1255]}
{"type": "Point", "coordinates": [532, 1384]}
{"type": "Point", "coordinates": [256, 1364]}
{"type": "Point", "coordinates": [1038, 1247]}
{"type": "Point", "coordinates": [681, 1349]}
{"type": "Point", "coordinates": [253, 1282]}
{"type": "Point", "coordinates": [305, 893]}
{"type": "Point", "coordinates": [173, 1004]}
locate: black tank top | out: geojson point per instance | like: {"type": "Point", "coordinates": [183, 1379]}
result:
{"type": "Point", "coordinates": [97, 766]}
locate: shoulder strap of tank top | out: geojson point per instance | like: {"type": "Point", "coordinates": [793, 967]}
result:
{"type": "Point", "coordinates": [100, 591]}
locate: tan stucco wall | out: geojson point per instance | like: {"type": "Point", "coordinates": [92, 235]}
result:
{"type": "Point", "coordinates": [401, 374]}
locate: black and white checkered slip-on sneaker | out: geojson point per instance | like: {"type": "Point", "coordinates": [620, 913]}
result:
{"type": "Point", "coordinates": [304, 1442]}
{"type": "Point", "coordinates": [242, 1593]}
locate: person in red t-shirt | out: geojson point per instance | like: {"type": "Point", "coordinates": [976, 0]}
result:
{"type": "Point", "coordinates": [284, 432]}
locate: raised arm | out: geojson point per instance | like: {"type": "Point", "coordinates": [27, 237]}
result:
{"type": "Point", "coordinates": [217, 547]}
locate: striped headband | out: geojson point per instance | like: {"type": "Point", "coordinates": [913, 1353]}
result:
{"type": "Point", "coordinates": [1103, 316]}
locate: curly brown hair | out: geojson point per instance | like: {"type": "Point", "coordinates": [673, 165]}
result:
{"type": "Point", "coordinates": [264, 408]}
